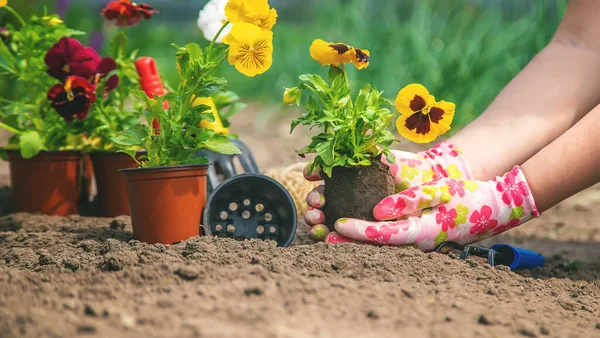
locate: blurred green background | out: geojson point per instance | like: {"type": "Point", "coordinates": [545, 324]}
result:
{"type": "Point", "coordinates": [464, 51]}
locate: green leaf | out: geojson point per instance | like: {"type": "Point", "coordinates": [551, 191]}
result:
{"type": "Point", "coordinates": [222, 145]}
{"type": "Point", "coordinates": [325, 151]}
{"type": "Point", "coordinates": [194, 51]}
{"type": "Point", "coordinates": [30, 143]}
{"type": "Point", "coordinates": [317, 81]}
{"type": "Point", "coordinates": [335, 72]}
{"type": "Point", "coordinates": [132, 136]}
{"type": "Point", "coordinates": [6, 54]}
{"type": "Point", "coordinates": [131, 153]}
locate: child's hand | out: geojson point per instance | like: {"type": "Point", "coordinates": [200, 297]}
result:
{"type": "Point", "coordinates": [409, 170]}
{"type": "Point", "coordinates": [463, 211]}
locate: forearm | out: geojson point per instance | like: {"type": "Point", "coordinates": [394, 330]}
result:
{"type": "Point", "coordinates": [568, 165]}
{"type": "Point", "coordinates": [556, 89]}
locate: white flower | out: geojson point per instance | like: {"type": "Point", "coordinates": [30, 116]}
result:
{"type": "Point", "coordinates": [211, 18]}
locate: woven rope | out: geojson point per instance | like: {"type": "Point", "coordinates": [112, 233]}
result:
{"type": "Point", "coordinates": [292, 178]}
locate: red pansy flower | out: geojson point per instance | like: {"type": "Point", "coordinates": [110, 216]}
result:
{"type": "Point", "coordinates": [105, 66]}
{"type": "Point", "coordinates": [69, 57]}
{"type": "Point", "coordinates": [73, 98]}
{"type": "Point", "coordinates": [127, 13]}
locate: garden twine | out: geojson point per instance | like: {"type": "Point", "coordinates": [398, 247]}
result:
{"type": "Point", "coordinates": [292, 178]}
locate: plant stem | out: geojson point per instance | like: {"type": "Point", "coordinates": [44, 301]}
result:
{"type": "Point", "coordinates": [212, 43]}
{"type": "Point", "coordinates": [317, 95]}
{"type": "Point", "coordinates": [13, 12]}
{"type": "Point", "coordinates": [347, 83]}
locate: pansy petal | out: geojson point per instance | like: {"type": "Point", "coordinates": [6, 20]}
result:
{"type": "Point", "coordinates": [251, 49]}
{"type": "Point", "coordinates": [361, 58]}
{"type": "Point", "coordinates": [334, 54]}
{"type": "Point", "coordinates": [412, 98]}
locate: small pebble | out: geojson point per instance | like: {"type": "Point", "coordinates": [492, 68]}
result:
{"type": "Point", "coordinates": [86, 329]}
{"type": "Point", "coordinates": [483, 320]}
{"type": "Point", "coordinates": [372, 314]}
{"type": "Point", "coordinates": [89, 311]}
{"type": "Point", "coordinates": [253, 291]}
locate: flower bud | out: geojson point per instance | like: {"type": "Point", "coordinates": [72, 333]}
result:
{"type": "Point", "coordinates": [290, 96]}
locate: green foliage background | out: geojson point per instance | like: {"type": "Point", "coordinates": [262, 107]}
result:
{"type": "Point", "coordinates": [463, 51]}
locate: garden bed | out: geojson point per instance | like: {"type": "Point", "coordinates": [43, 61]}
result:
{"type": "Point", "coordinates": [86, 276]}
{"type": "Point", "coordinates": [80, 276]}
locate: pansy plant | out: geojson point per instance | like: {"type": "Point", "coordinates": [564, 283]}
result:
{"type": "Point", "coordinates": [356, 131]}
{"type": "Point", "coordinates": [180, 140]}
{"type": "Point", "coordinates": [26, 111]}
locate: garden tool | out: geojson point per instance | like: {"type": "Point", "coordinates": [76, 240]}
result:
{"type": "Point", "coordinates": [503, 254]}
{"type": "Point", "coordinates": [221, 166]}
{"type": "Point", "coordinates": [251, 205]}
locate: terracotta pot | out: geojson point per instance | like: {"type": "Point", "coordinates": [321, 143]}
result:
{"type": "Point", "coordinates": [110, 185]}
{"type": "Point", "coordinates": [48, 183]}
{"type": "Point", "coordinates": [166, 202]}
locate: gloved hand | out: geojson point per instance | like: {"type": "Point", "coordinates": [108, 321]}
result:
{"type": "Point", "coordinates": [408, 169]}
{"type": "Point", "coordinates": [463, 211]}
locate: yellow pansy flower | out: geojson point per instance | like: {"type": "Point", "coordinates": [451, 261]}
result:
{"type": "Point", "coordinates": [361, 58]}
{"type": "Point", "coordinates": [3, 3]}
{"type": "Point", "coordinates": [422, 119]}
{"type": "Point", "coordinates": [335, 54]}
{"type": "Point", "coordinates": [51, 21]}
{"type": "Point", "coordinates": [251, 49]}
{"type": "Point", "coordinates": [254, 12]}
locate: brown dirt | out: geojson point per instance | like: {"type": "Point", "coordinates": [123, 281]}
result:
{"type": "Point", "coordinates": [80, 276]}
{"type": "Point", "coordinates": [354, 192]}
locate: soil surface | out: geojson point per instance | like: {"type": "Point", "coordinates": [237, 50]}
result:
{"type": "Point", "coordinates": [86, 277]}
{"type": "Point", "coordinates": [354, 192]}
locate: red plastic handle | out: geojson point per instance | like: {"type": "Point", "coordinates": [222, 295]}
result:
{"type": "Point", "coordinates": [150, 81]}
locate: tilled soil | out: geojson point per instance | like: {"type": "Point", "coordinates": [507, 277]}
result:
{"type": "Point", "coordinates": [87, 277]}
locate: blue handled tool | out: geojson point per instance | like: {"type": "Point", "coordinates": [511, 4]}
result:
{"type": "Point", "coordinates": [503, 254]}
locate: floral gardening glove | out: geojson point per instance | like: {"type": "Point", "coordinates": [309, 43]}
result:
{"type": "Point", "coordinates": [409, 170]}
{"type": "Point", "coordinates": [463, 211]}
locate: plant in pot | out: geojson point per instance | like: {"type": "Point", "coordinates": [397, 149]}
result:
{"type": "Point", "coordinates": [168, 191]}
{"type": "Point", "coordinates": [119, 111]}
{"type": "Point", "coordinates": [354, 132]}
{"type": "Point", "coordinates": [45, 170]}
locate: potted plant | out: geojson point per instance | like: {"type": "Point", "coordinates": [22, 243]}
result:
{"type": "Point", "coordinates": [118, 112]}
{"type": "Point", "coordinates": [355, 131]}
{"type": "Point", "coordinates": [45, 170]}
{"type": "Point", "coordinates": [168, 191]}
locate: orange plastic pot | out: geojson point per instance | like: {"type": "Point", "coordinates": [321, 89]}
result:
{"type": "Point", "coordinates": [166, 202]}
{"type": "Point", "coordinates": [88, 177]}
{"type": "Point", "coordinates": [110, 185]}
{"type": "Point", "coordinates": [48, 183]}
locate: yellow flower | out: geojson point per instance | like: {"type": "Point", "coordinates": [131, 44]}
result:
{"type": "Point", "coordinates": [51, 21]}
{"type": "Point", "coordinates": [251, 49]}
{"type": "Point", "coordinates": [361, 58]}
{"type": "Point", "coordinates": [335, 54]}
{"type": "Point", "coordinates": [3, 3]}
{"type": "Point", "coordinates": [254, 12]}
{"type": "Point", "coordinates": [422, 118]}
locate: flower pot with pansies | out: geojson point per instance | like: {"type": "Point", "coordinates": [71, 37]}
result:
{"type": "Point", "coordinates": [167, 192]}
{"type": "Point", "coordinates": [45, 164]}
{"type": "Point", "coordinates": [355, 132]}
{"type": "Point", "coordinates": [119, 111]}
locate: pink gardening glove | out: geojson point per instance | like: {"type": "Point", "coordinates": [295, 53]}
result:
{"type": "Point", "coordinates": [408, 169]}
{"type": "Point", "coordinates": [458, 210]}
